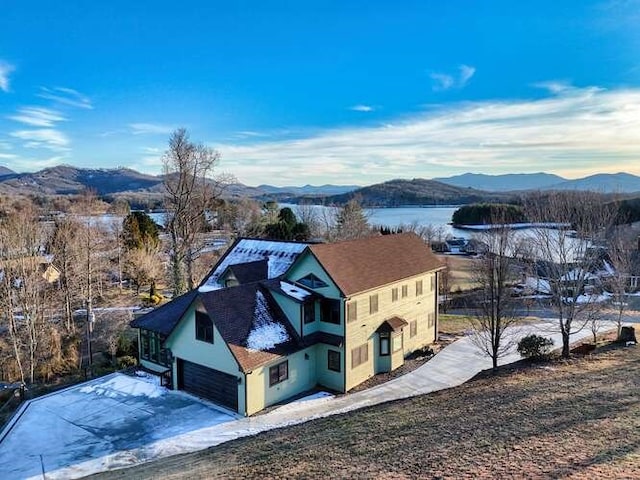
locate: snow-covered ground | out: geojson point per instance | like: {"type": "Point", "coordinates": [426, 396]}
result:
{"type": "Point", "coordinates": [116, 413]}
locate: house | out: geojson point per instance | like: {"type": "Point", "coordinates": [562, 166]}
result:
{"type": "Point", "coordinates": [275, 319]}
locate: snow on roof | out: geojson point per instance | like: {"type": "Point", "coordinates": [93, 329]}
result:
{"type": "Point", "coordinates": [280, 256]}
{"type": "Point", "coordinates": [537, 284]}
{"type": "Point", "coordinates": [294, 291]}
{"type": "Point", "coordinates": [266, 332]}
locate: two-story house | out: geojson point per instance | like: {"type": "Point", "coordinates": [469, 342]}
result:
{"type": "Point", "coordinates": [274, 319]}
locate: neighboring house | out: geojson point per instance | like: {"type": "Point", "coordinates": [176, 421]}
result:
{"type": "Point", "coordinates": [275, 319]}
{"type": "Point", "coordinates": [43, 263]}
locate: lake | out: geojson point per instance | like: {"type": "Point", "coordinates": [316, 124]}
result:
{"type": "Point", "coordinates": [396, 216]}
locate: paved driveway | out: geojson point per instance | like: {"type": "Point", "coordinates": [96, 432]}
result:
{"type": "Point", "coordinates": [95, 419]}
{"type": "Point", "coordinates": [453, 366]}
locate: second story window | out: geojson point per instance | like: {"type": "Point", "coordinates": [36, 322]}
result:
{"type": "Point", "coordinates": [312, 281]}
{"type": "Point", "coordinates": [330, 311]}
{"type": "Point", "coordinates": [309, 312]}
{"type": "Point", "coordinates": [418, 287]}
{"type": "Point", "coordinates": [405, 291]}
{"type": "Point", "coordinates": [394, 294]}
{"type": "Point", "coordinates": [373, 303]}
{"type": "Point", "coordinates": [352, 311]}
{"type": "Point", "coordinates": [204, 327]}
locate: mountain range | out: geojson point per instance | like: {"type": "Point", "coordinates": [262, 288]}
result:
{"type": "Point", "coordinates": [602, 182]}
{"type": "Point", "coordinates": [461, 189]}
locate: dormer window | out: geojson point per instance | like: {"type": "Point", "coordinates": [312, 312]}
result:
{"type": "Point", "coordinates": [312, 281]}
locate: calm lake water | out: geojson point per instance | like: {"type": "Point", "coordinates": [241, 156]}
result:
{"type": "Point", "coordinates": [397, 216]}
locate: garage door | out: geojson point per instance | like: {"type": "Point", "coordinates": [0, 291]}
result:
{"type": "Point", "coordinates": [214, 385]}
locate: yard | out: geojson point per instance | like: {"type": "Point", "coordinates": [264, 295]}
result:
{"type": "Point", "coordinates": [566, 419]}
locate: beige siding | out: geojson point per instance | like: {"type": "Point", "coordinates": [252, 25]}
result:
{"type": "Point", "coordinates": [409, 308]}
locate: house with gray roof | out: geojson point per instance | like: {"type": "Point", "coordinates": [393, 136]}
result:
{"type": "Point", "coordinates": [274, 319]}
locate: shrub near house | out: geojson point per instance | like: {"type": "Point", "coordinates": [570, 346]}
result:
{"type": "Point", "coordinates": [274, 319]}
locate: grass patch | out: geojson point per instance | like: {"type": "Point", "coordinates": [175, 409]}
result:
{"type": "Point", "coordinates": [575, 419]}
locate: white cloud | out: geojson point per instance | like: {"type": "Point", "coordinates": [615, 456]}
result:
{"type": "Point", "coordinates": [66, 96]}
{"type": "Point", "coordinates": [37, 116]}
{"type": "Point", "coordinates": [466, 72]}
{"type": "Point", "coordinates": [445, 81]}
{"type": "Point", "coordinates": [5, 70]}
{"type": "Point", "coordinates": [362, 108]}
{"type": "Point", "coordinates": [7, 156]}
{"type": "Point", "coordinates": [48, 138]}
{"type": "Point", "coordinates": [150, 129]}
{"type": "Point", "coordinates": [574, 131]}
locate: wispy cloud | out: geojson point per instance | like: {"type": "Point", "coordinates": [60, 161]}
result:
{"type": "Point", "coordinates": [8, 156]}
{"type": "Point", "coordinates": [573, 131]}
{"type": "Point", "coordinates": [5, 71]}
{"type": "Point", "coordinates": [446, 81]}
{"type": "Point", "coordinates": [150, 129]}
{"type": "Point", "coordinates": [362, 108]}
{"type": "Point", "coordinates": [66, 96]}
{"type": "Point", "coordinates": [37, 116]}
{"type": "Point", "coordinates": [48, 138]}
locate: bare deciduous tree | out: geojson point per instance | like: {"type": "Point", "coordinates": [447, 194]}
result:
{"type": "Point", "coordinates": [570, 253]}
{"type": "Point", "coordinates": [190, 192]}
{"type": "Point", "coordinates": [494, 274]}
{"type": "Point", "coordinates": [24, 293]}
{"type": "Point", "coordinates": [620, 255]}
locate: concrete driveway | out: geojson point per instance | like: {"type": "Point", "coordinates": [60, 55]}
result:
{"type": "Point", "coordinates": [95, 419]}
{"type": "Point", "coordinates": [165, 431]}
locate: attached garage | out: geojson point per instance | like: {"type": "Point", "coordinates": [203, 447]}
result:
{"type": "Point", "coordinates": [214, 385]}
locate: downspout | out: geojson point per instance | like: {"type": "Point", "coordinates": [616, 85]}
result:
{"type": "Point", "coordinates": [437, 309]}
{"type": "Point", "coordinates": [246, 396]}
{"type": "Point", "coordinates": [344, 342]}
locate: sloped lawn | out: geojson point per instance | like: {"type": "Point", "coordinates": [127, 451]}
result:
{"type": "Point", "coordinates": [578, 419]}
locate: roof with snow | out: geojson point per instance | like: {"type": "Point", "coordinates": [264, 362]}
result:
{"type": "Point", "coordinates": [279, 255]}
{"type": "Point", "coordinates": [246, 316]}
{"type": "Point", "coordinates": [359, 265]}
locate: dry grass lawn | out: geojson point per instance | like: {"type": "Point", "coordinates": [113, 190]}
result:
{"type": "Point", "coordinates": [461, 271]}
{"type": "Point", "coordinates": [578, 419]}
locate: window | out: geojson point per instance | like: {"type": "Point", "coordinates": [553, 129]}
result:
{"type": "Point", "coordinates": [394, 294]}
{"type": "Point", "coordinates": [405, 291]}
{"type": "Point", "coordinates": [278, 373]}
{"type": "Point", "coordinates": [384, 343]}
{"type": "Point", "coordinates": [359, 355]}
{"type": "Point", "coordinates": [145, 350]}
{"type": "Point", "coordinates": [333, 360]}
{"type": "Point", "coordinates": [152, 348]}
{"type": "Point", "coordinates": [418, 287]}
{"type": "Point", "coordinates": [352, 311]}
{"type": "Point", "coordinates": [413, 328]}
{"type": "Point", "coordinates": [312, 281]}
{"type": "Point", "coordinates": [431, 319]}
{"type": "Point", "coordinates": [309, 312]}
{"type": "Point", "coordinates": [204, 327]}
{"type": "Point", "coordinates": [373, 303]}
{"type": "Point", "coordinates": [330, 311]}
{"type": "Point", "coordinates": [433, 283]}
{"type": "Point", "coordinates": [397, 343]}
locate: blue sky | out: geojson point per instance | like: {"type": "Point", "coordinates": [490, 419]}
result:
{"type": "Point", "coordinates": [324, 92]}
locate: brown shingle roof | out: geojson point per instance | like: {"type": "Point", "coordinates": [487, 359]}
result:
{"type": "Point", "coordinates": [393, 324]}
{"type": "Point", "coordinates": [359, 265]}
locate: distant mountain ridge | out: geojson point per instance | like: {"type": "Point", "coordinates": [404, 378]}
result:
{"type": "Point", "coordinates": [504, 183]}
{"type": "Point", "coordinates": [66, 180]}
{"type": "Point", "coordinates": [603, 182]}
{"type": "Point", "coordinates": [416, 192]}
